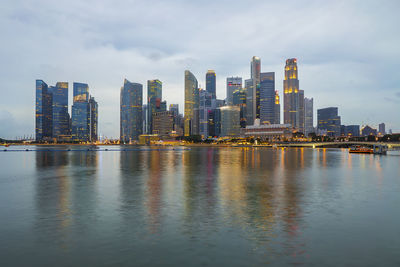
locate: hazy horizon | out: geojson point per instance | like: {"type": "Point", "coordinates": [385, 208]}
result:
{"type": "Point", "coordinates": [347, 52]}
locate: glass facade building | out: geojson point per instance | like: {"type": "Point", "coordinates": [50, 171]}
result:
{"type": "Point", "coordinates": [211, 85]}
{"type": "Point", "coordinates": [277, 108]}
{"type": "Point", "coordinates": [329, 121]}
{"type": "Point", "coordinates": [309, 116]}
{"type": "Point", "coordinates": [60, 115]}
{"type": "Point", "coordinates": [191, 103]}
{"type": "Point", "coordinates": [267, 98]}
{"type": "Point", "coordinates": [81, 113]}
{"type": "Point", "coordinates": [154, 97]}
{"type": "Point", "coordinates": [131, 120]}
{"type": "Point", "coordinates": [43, 110]}
{"type": "Point", "coordinates": [249, 102]}
{"type": "Point", "coordinates": [94, 116]}
{"type": "Point", "coordinates": [255, 70]}
{"type": "Point", "coordinates": [232, 84]}
{"type": "Point", "coordinates": [239, 99]}
{"type": "Point", "coordinates": [205, 109]}
{"type": "Point", "coordinates": [230, 121]}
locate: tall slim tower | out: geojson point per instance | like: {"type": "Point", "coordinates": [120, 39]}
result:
{"type": "Point", "coordinates": [131, 121]}
{"type": "Point", "coordinates": [211, 83]}
{"type": "Point", "coordinates": [255, 69]}
{"type": "Point", "coordinates": [267, 97]}
{"type": "Point", "coordinates": [249, 101]}
{"type": "Point", "coordinates": [191, 104]}
{"type": "Point", "coordinates": [44, 113]}
{"type": "Point", "coordinates": [81, 113]}
{"type": "Point", "coordinates": [154, 96]}
{"type": "Point", "coordinates": [60, 115]}
{"type": "Point", "coordinates": [308, 116]}
{"type": "Point", "coordinates": [277, 108]}
{"type": "Point", "coordinates": [291, 97]}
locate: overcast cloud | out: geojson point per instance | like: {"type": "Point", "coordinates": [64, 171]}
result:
{"type": "Point", "coordinates": [348, 52]}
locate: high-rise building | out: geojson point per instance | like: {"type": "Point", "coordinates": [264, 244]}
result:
{"type": "Point", "coordinates": [329, 121]}
{"type": "Point", "coordinates": [292, 103]}
{"type": "Point", "coordinates": [60, 115]}
{"type": "Point", "coordinates": [230, 121]}
{"type": "Point", "coordinates": [191, 103]}
{"type": "Point", "coordinates": [44, 114]}
{"type": "Point", "coordinates": [174, 108]}
{"type": "Point", "coordinates": [211, 83]}
{"type": "Point", "coordinates": [204, 112]}
{"type": "Point", "coordinates": [277, 108]}
{"type": "Point", "coordinates": [163, 123]}
{"type": "Point", "coordinates": [249, 102]}
{"type": "Point", "coordinates": [94, 116]}
{"type": "Point", "coordinates": [81, 113]}
{"type": "Point", "coordinates": [131, 121]}
{"type": "Point", "coordinates": [214, 120]}
{"type": "Point", "coordinates": [232, 84]}
{"type": "Point", "coordinates": [239, 99]}
{"type": "Point", "coordinates": [382, 130]}
{"type": "Point", "coordinates": [308, 116]}
{"type": "Point", "coordinates": [145, 120]}
{"type": "Point", "coordinates": [255, 70]}
{"type": "Point", "coordinates": [301, 111]}
{"type": "Point", "coordinates": [267, 97]}
{"type": "Point", "coordinates": [154, 98]}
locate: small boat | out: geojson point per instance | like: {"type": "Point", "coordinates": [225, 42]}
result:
{"type": "Point", "coordinates": [361, 149]}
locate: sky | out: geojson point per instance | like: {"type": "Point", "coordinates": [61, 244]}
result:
{"type": "Point", "coordinates": [348, 52]}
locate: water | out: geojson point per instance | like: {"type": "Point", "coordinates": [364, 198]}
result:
{"type": "Point", "coordinates": [199, 207]}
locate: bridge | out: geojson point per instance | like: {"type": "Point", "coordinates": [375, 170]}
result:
{"type": "Point", "coordinates": [391, 146]}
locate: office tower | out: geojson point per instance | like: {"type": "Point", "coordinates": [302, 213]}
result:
{"type": "Point", "coordinates": [308, 116]}
{"type": "Point", "coordinates": [204, 111]}
{"type": "Point", "coordinates": [154, 97]}
{"type": "Point", "coordinates": [267, 98]}
{"type": "Point", "coordinates": [94, 116]}
{"type": "Point", "coordinates": [232, 84]}
{"type": "Point", "coordinates": [191, 103]}
{"type": "Point", "coordinates": [352, 130]}
{"type": "Point", "coordinates": [174, 108]}
{"type": "Point", "coordinates": [249, 102]}
{"type": "Point", "coordinates": [382, 129]}
{"type": "Point", "coordinates": [329, 121]}
{"type": "Point", "coordinates": [277, 108]}
{"type": "Point", "coordinates": [163, 123]}
{"type": "Point", "coordinates": [81, 113]}
{"type": "Point", "coordinates": [214, 120]}
{"type": "Point", "coordinates": [44, 114]}
{"type": "Point", "coordinates": [239, 99]}
{"type": "Point", "coordinates": [131, 121]}
{"type": "Point", "coordinates": [255, 70]}
{"type": "Point", "coordinates": [292, 97]}
{"type": "Point", "coordinates": [301, 111]}
{"type": "Point", "coordinates": [60, 115]}
{"type": "Point", "coordinates": [145, 120]}
{"type": "Point", "coordinates": [230, 121]}
{"type": "Point", "coordinates": [211, 83]}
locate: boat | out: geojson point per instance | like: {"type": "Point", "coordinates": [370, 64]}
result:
{"type": "Point", "coordinates": [361, 150]}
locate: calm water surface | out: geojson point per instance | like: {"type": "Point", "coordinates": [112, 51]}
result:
{"type": "Point", "coordinates": [199, 207]}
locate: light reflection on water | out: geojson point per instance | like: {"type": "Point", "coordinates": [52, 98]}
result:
{"type": "Point", "coordinates": [205, 206]}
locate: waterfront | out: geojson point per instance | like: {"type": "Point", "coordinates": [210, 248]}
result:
{"type": "Point", "coordinates": [200, 207]}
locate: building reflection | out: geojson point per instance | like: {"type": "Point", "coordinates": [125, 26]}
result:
{"type": "Point", "coordinates": [64, 185]}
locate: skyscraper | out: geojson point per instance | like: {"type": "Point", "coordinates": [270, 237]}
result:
{"type": "Point", "coordinates": [291, 98]}
{"type": "Point", "coordinates": [382, 130]}
{"type": "Point", "coordinates": [255, 70]}
{"type": "Point", "coordinates": [154, 97]}
{"type": "Point", "coordinates": [211, 83]}
{"type": "Point", "coordinates": [131, 121]}
{"type": "Point", "coordinates": [204, 112]}
{"type": "Point", "coordinates": [267, 97]}
{"type": "Point", "coordinates": [309, 116]}
{"type": "Point", "coordinates": [301, 111]}
{"type": "Point", "coordinates": [60, 116]}
{"type": "Point", "coordinates": [239, 99]}
{"type": "Point", "coordinates": [230, 121]}
{"type": "Point", "coordinates": [94, 114]}
{"type": "Point", "coordinates": [191, 103]}
{"type": "Point", "coordinates": [81, 113]}
{"type": "Point", "coordinates": [44, 114]}
{"type": "Point", "coordinates": [277, 108]}
{"type": "Point", "coordinates": [232, 84]}
{"type": "Point", "coordinates": [329, 121]}
{"type": "Point", "coordinates": [249, 102]}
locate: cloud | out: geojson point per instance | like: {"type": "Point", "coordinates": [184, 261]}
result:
{"type": "Point", "coordinates": [345, 58]}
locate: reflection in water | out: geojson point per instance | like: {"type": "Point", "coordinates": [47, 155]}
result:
{"type": "Point", "coordinates": [233, 206]}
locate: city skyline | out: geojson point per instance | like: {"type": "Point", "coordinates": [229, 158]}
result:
{"type": "Point", "coordinates": [359, 68]}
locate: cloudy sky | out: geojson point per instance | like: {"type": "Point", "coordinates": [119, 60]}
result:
{"type": "Point", "coordinates": [348, 51]}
